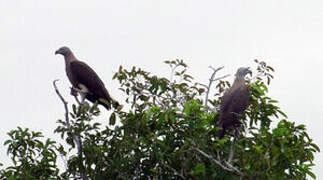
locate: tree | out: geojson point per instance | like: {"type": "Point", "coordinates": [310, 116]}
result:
{"type": "Point", "coordinates": [169, 131]}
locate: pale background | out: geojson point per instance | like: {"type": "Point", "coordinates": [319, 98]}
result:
{"type": "Point", "coordinates": [286, 34]}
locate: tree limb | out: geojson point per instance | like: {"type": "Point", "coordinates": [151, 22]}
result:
{"type": "Point", "coordinates": [64, 102]}
{"type": "Point", "coordinates": [231, 154]}
{"type": "Point", "coordinates": [76, 139]}
{"type": "Point", "coordinates": [227, 166]}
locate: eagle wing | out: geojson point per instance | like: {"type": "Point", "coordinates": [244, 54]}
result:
{"type": "Point", "coordinates": [234, 101]}
{"type": "Point", "coordinates": [85, 75]}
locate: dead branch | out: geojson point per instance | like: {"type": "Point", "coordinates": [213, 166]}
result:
{"type": "Point", "coordinates": [64, 102]}
{"type": "Point", "coordinates": [76, 139]}
{"type": "Point", "coordinates": [211, 80]}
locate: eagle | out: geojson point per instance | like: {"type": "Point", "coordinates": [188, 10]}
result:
{"type": "Point", "coordinates": [85, 80]}
{"type": "Point", "coordinates": [234, 102]}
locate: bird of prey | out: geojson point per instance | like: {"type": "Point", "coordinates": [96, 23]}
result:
{"type": "Point", "coordinates": [85, 80]}
{"type": "Point", "coordinates": [234, 101]}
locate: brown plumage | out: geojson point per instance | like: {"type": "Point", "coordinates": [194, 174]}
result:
{"type": "Point", "coordinates": [234, 102]}
{"type": "Point", "coordinates": [84, 79]}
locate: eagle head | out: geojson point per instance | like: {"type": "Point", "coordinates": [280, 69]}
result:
{"type": "Point", "coordinates": [243, 71]}
{"type": "Point", "coordinates": [63, 51]}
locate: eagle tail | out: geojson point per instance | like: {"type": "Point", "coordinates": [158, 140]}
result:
{"type": "Point", "coordinates": [105, 103]}
{"type": "Point", "coordinates": [106, 106]}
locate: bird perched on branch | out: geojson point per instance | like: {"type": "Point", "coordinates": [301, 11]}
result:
{"type": "Point", "coordinates": [84, 80]}
{"type": "Point", "coordinates": [234, 101]}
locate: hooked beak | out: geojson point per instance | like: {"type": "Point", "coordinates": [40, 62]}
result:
{"type": "Point", "coordinates": [58, 52]}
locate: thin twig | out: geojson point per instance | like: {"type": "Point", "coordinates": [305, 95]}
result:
{"type": "Point", "coordinates": [77, 139]}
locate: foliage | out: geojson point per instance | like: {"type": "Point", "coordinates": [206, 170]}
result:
{"type": "Point", "coordinates": [169, 132]}
{"type": "Point", "coordinates": [32, 158]}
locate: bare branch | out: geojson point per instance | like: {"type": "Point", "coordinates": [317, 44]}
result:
{"type": "Point", "coordinates": [222, 77]}
{"type": "Point", "coordinates": [235, 170]}
{"type": "Point", "coordinates": [64, 102]}
{"type": "Point", "coordinates": [77, 139]}
{"type": "Point", "coordinates": [227, 166]}
{"type": "Point", "coordinates": [211, 80]}
{"type": "Point", "coordinates": [231, 154]}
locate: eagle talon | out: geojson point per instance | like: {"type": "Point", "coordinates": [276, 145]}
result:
{"type": "Point", "coordinates": [73, 91]}
{"type": "Point", "coordinates": [77, 90]}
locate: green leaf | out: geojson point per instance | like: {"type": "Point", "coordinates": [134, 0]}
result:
{"type": "Point", "coordinates": [7, 142]}
{"type": "Point", "coordinates": [282, 113]}
{"type": "Point", "coordinates": [315, 147]}
{"type": "Point", "coordinates": [310, 173]}
{"type": "Point", "coordinates": [199, 169]}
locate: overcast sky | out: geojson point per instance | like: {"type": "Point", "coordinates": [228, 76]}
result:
{"type": "Point", "coordinates": [286, 34]}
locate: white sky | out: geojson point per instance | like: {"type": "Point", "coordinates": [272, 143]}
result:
{"type": "Point", "coordinates": [106, 34]}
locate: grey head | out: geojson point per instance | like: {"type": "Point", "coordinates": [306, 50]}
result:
{"type": "Point", "coordinates": [243, 71]}
{"type": "Point", "coordinates": [63, 51]}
